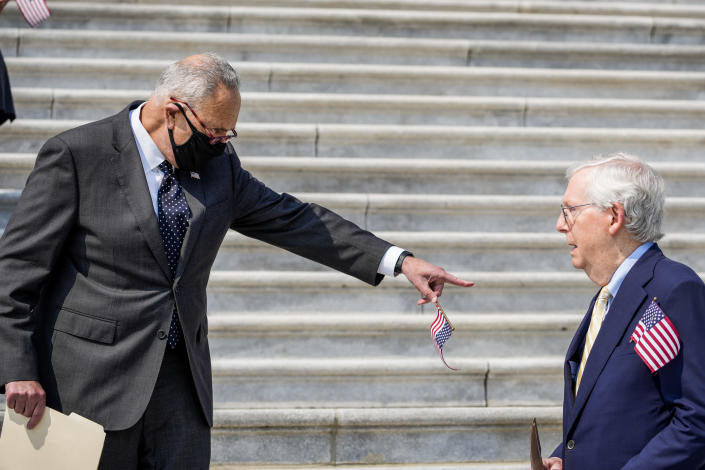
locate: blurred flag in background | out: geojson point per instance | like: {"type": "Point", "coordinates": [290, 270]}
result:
{"type": "Point", "coordinates": [34, 11]}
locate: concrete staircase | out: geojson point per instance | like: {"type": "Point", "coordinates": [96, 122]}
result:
{"type": "Point", "coordinates": [445, 127]}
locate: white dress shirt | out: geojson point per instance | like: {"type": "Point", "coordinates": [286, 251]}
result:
{"type": "Point", "coordinates": [150, 155]}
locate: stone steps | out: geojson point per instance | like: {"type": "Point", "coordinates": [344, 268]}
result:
{"type": "Point", "coordinates": [372, 333]}
{"type": "Point", "coordinates": [458, 466]}
{"type": "Point", "coordinates": [455, 213]}
{"type": "Point", "coordinates": [359, 436]}
{"type": "Point", "coordinates": [448, 132]}
{"type": "Point", "coordinates": [482, 213]}
{"type": "Point", "coordinates": [251, 383]}
{"type": "Point", "coordinates": [416, 141]}
{"type": "Point", "coordinates": [137, 74]}
{"type": "Point", "coordinates": [455, 251]}
{"type": "Point", "coordinates": [387, 175]}
{"type": "Point", "coordinates": [70, 43]}
{"type": "Point", "coordinates": [58, 103]}
{"type": "Point", "coordinates": [677, 8]}
{"type": "Point", "coordinates": [367, 22]}
{"type": "Point", "coordinates": [487, 251]}
{"type": "Point", "coordinates": [295, 292]}
{"type": "Point", "coordinates": [440, 176]}
{"type": "Point", "coordinates": [466, 438]}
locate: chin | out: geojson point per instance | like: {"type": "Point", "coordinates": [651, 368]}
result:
{"type": "Point", "coordinates": [577, 264]}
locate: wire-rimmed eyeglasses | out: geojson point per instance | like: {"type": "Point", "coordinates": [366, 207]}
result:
{"type": "Point", "coordinates": [571, 209]}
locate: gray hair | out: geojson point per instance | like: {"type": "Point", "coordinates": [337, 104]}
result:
{"type": "Point", "coordinates": [196, 78]}
{"type": "Point", "coordinates": [620, 177]}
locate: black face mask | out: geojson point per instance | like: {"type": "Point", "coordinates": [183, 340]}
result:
{"type": "Point", "coordinates": [197, 150]}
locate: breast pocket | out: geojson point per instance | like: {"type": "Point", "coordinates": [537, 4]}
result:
{"type": "Point", "coordinates": [625, 348]}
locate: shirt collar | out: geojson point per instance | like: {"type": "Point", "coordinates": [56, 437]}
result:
{"type": "Point", "coordinates": [624, 268]}
{"type": "Point", "coordinates": [149, 150]}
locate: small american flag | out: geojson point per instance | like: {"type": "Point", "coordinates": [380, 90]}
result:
{"type": "Point", "coordinates": [34, 11]}
{"type": "Point", "coordinates": [657, 341]}
{"type": "Point", "coordinates": [441, 330]}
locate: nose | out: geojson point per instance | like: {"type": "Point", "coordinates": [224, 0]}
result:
{"type": "Point", "coordinates": [561, 225]}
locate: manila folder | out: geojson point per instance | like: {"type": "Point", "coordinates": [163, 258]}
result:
{"type": "Point", "coordinates": [58, 442]}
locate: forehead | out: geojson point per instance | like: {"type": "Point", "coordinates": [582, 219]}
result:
{"type": "Point", "coordinates": [221, 110]}
{"type": "Point", "coordinates": [576, 190]}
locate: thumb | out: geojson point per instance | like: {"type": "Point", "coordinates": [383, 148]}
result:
{"type": "Point", "coordinates": [427, 294]}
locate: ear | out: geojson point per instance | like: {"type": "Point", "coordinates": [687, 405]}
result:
{"type": "Point", "coordinates": [617, 218]}
{"type": "Point", "coordinates": [170, 111]}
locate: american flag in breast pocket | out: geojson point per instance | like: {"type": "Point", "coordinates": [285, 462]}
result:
{"type": "Point", "coordinates": [656, 339]}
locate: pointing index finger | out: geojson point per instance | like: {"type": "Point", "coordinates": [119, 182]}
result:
{"type": "Point", "coordinates": [457, 281]}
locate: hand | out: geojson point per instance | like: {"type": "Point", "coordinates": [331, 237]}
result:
{"type": "Point", "coordinates": [28, 399]}
{"type": "Point", "coordinates": [553, 463]}
{"type": "Point", "coordinates": [428, 278]}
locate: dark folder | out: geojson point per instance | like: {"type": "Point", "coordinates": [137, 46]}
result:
{"type": "Point", "coordinates": [536, 460]}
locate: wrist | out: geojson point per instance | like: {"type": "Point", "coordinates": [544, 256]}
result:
{"type": "Point", "coordinates": [400, 261]}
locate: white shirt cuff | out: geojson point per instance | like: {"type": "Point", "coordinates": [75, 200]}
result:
{"type": "Point", "coordinates": [389, 260]}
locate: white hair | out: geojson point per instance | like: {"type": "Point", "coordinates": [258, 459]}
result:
{"type": "Point", "coordinates": [195, 80]}
{"type": "Point", "coordinates": [620, 177]}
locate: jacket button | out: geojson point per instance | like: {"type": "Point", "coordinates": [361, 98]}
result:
{"type": "Point", "coordinates": [571, 444]}
{"type": "Point", "coordinates": [161, 334]}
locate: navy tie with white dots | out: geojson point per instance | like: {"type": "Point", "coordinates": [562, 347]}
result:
{"type": "Point", "coordinates": [173, 213]}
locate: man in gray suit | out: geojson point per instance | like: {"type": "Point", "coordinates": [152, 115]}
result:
{"type": "Point", "coordinates": [105, 261]}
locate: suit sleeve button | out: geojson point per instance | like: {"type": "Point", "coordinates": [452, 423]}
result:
{"type": "Point", "coordinates": [571, 444]}
{"type": "Point", "coordinates": [161, 334]}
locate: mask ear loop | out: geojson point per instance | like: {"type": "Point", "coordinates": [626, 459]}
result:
{"type": "Point", "coordinates": [193, 128]}
{"type": "Point", "coordinates": [171, 131]}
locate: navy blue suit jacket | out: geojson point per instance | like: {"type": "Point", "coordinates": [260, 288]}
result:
{"type": "Point", "coordinates": [625, 417]}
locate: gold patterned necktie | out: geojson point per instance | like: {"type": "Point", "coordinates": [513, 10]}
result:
{"type": "Point", "coordinates": [598, 315]}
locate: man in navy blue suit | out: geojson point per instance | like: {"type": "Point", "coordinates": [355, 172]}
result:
{"type": "Point", "coordinates": [635, 371]}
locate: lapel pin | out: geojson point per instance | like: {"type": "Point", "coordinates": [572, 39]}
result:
{"type": "Point", "coordinates": [195, 175]}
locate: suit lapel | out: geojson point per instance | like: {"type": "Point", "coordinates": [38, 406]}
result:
{"type": "Point", "coordinates": [195, 197]}
{"type": "Point", "coordinates": [625, 305]}
{"type": "Point", "coordinates": [130, 175]}
{"type": "Point", "coordinates": [572, 357]}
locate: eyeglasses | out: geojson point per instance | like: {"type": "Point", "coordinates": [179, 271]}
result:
{"type": "Point", "coordinates": [214, 139]}
{"type": "Point", "coordinates": [566, 209]}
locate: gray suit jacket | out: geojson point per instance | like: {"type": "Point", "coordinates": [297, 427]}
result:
{"type": "Point", "coordinates": [86, 292]}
